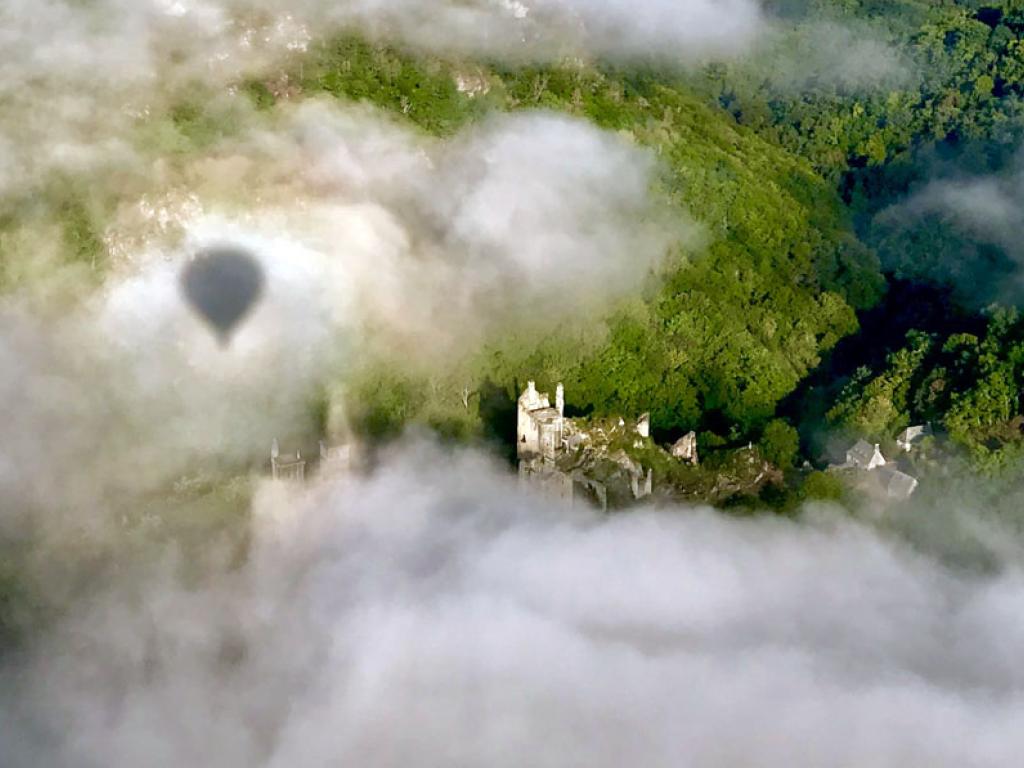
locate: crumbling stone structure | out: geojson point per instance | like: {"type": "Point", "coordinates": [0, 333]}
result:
{"type": "Point", "coordinates": [540, 427]}
{"type": "Point", "coordinates": [288, 466]}
{"type": "Point", "coordinates": [685, 448]}
{"type": "Point", "coordinates": [559, 458]}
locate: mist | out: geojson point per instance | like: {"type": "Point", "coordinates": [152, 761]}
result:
{"type": "Point", "coordinates": [973, 221]}
{"type": "Point", "coordinates": [76, 78]}
{"type": "Point", "coordinates": [372, 241]}
{"type": "Point", "coordinates": [433, 613]}
{"type": "Point", "coordinates": [684, 31]}
{"type": "Point", "coordinates": [430, 611]}
{"type": "Point", "coordinates": [825, 53]}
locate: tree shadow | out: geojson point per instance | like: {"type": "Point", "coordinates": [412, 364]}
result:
{"type": "Point", "coordinates": [498, 418]}
{"type": "Point", "coordinates": [907, 306]}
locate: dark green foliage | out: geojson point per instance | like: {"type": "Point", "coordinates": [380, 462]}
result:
{"type": "Point", "coordinates": [950, 106]}
{"type": "Point", "coordinates": [732, 330]}
{"type": "Point", "coordinates": [763, 157]}
{"type": "Point", "coordinates": [779, 443]}
{"type": "Point", "coordinates": [954, 79]}
{"type": "Point", "coordinates": [192, 122]}
{"type": "Point", "coordinates": [81, 231]}
{"type": "Point", "coordinates": [775, 166]}
{"type": "Point", "coordinates": [422, 90]}
{"type": "Point", "coordinates": [386, 403]}
{"type": "Point", "coordinates": [66, 215]}
{"type": "Point", "coordinates": [822, 486]}
{"type": "Point", "coordinates": [967, 385]}
{"type": "Point", "coordinates": [878, 406]}
{"type": "Point", "coordinates": [261, 95]}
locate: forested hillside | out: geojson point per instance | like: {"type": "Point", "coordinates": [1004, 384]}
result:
{"type": "Point", "coordinates": [809, 188]}
{"type": "Point", "coordinates": [865, 145]}
{"type": "Point", "coordinates": [728, 330]}
{"type": "Point", "coordinates": [927, 161]}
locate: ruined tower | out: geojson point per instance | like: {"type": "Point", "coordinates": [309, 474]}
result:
{"type": "Point", "coordinates": [539, 426]}
{"type": "Point", "coordinates": [286, 466]}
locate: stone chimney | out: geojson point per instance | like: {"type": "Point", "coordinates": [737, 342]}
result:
{"type": "Point", "coordinates": [560, 399]}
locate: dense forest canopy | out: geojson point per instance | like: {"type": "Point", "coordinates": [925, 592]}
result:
{"type": "Point", "coordinates": [815, 186]}
{"type": "Point", "coordinates": [859, 146]}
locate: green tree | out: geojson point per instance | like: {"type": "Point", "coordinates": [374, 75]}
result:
{"type": "Point", "coordinates": [780, 443]}
{"type": "Point", "coordinates": [821, 486]}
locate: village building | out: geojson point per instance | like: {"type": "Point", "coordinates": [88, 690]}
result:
{"type": "Point", "coordinates": [912, 436]}
{"type": "Point", "coordinates": [896, 484]}
{"type": "Point", "coordinates": [539, 441]}
{"type": "Point", "coordinates": [864, 455]}
{"type": "Point", "coordinates": [540, 426]}
{"type": "Point", "coordinates": [337, 459]}
{"type": "Point", "coordinates": [334, 459]}
{"type": "Point", "coordinates": [339, 452]}
{"type": "Point", "coordinates": [874, 474]}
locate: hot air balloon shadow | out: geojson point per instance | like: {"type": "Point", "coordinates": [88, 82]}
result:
{"type": "Point", "coordinates": [222, 284]}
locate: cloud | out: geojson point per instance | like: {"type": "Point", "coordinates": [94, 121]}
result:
{"type": "Point", "coordinates": [429, 613]}
{"type": "Point", "coordinates": [372, 239]}
{"type": "Point", "coordinates": [79, 80]}
{"type": "Point", "coordinates": [816, 54]}
{"type": "Point", "coordinates": [432, 614]}
{"type": "Point", "coordinates": [680, 31]}
{"type": "Point", "coordinates": [75, 78]}
{"type": "Point", "coordinates": [970, 224]}
{"type": "Point", "coordinates": [524, 212]}
{"type": "Point", "coordinates": [988, 207]}
{"type": "Point", "coordinates": [436, 242]}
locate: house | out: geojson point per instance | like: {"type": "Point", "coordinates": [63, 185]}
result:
{"type": "Point", "coordinates": [539, 426]}
{"type": "Point", "coordinates": [876, 475]}
{"type": "Point", "coordinates": [341, 453]}
{"type": "Point", "coordinates": [864, 455]}
{"type": "Point", "coordinates": [539, 437]}
{"type": "Point", "coordinates": [896, 484]}
{"type": "Point", "coordinates": [911, 436]}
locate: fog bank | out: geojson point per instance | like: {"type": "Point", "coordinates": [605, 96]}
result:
{"type": "Point", "coordinates": [431, 614]}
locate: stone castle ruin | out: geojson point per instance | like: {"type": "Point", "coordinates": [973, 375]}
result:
{"type": "Point", "coordinates": [335, 458]}
{"type": "Point", "coordinates": [563, 460]}
{"type": "Point", "coordinates": [685, 448]}
{"type": "Point", "coordinates": [286, 466]}
{"type": "Point", "coordinates": [339, 451]}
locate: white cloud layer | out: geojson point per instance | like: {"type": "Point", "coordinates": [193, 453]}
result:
{"type": "Point", "coordinates": [676, 30]}
{"type": "Point", "coordinates": [432, 615]}
{"type": "Point", "coordinates": [74, 77]}
{"type": "Point", "coordinates": [975, 221]}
